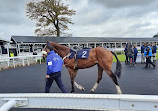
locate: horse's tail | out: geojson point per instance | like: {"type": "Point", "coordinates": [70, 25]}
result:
{"type": "Point", "coordinates": [118, 66]}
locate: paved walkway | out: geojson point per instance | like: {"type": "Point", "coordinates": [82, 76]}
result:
{"type": "Point", "coordinates": [31, 79]}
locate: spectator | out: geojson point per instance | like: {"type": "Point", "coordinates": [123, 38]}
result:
{"type": "Point", "coordinates": [130, 54]}
{"type": "Point", "coordinates": [135, 53]}
{"type": "Point", "coordinates": [142, 53]}
{"type": "Point", "coordinates": [125, 50]}
{"type": "Point", "coordinates": [154, 51]}
{"type": "Point", "coordinates": [148, 54]}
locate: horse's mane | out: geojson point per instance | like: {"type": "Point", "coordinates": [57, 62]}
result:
{"type": "Point", "coordinates": [58, 47]}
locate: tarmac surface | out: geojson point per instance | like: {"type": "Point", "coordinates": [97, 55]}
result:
{"type": "Point", "coordinates": [31, 79]}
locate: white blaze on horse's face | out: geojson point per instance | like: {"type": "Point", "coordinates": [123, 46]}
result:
{"type": "Point", "coordinates": [44, 52]}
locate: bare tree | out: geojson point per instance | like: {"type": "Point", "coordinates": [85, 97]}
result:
{"type": "Point", "coordinates": [52, 16]}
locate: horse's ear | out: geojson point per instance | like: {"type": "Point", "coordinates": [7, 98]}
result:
{"type": "Point", "coordinates": [48, 43]}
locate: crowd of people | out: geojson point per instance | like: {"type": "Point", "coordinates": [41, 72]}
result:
{"type": "Point", "coordinates": [148, 51]}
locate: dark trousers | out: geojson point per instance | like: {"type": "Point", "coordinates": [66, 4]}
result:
{"type": "Point", "coordinates": [135, 57]}
{"type": "Point", "coordinates": [57, 77]}
{"type": "Point", "coordinates": [148, 61]}
{"type": "Point", "coordinates": [126, 61]}
{"type": "Point", "coordinates": [131, 57]}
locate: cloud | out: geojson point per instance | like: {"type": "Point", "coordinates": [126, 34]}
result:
{"type": "Point", "coordinates": [124, 3]}
{"type": "Point", "coordinates": [94, 18]}
{"type": "Point", "coordinates": [103, 18]}
{"type": "Point", "coordinates": [13, 19]}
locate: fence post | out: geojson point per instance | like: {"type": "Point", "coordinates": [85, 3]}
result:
{"type": "Point", "coordinates": [40, 60]}
{"type": "Point", "coordinates": [28, 61]}
{"type": "Point", "coordinates": [8, 61]}
{"type": "Point", "coordinates": [13, 63]}
{"type": "Point", "coordinates": [23, 61]}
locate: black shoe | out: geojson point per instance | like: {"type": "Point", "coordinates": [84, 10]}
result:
{"type": "Point", "coordinates": [146, 67]}
{"type": "Point", "coordinates": [154, 66]}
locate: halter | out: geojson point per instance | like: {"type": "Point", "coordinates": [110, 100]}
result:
{"type": "Point", "coordinates": [64, 56]}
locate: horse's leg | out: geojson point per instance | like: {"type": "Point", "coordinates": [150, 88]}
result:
{"type": "Point", "coordinates": [72, 77]}
{"type": "Point", "coordinates": [79, 86]}
{"type": "Point", "coordinates": [100, 71]}
{"type": "Point", "coordinates": [113, 77]}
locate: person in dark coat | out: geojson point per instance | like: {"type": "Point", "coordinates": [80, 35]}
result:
{"type": "Point", "coordinates": [125, 50]}
{"type": "Point", "coordinates": [135, 53]}
{"type": "Point", "coordinates": [142, 53]}
{"type": "Point", "coordinates": [130, 54]}
{"type": "Point", "coordinates": [154, 51]}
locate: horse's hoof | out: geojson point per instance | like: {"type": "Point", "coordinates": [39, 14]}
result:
{"type": "Point", "coordinates": [91, 91]}
{"type": "Point", "coordinates": [72, 91]}
{"type": "Point", "coordinates": [119, 93]}
{"type": "Point", "coordinates": [83, 89]}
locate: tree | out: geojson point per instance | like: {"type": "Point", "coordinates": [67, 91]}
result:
{"type": "Point", "coordinates": [156, 35]}
{"type": "Point", "coordinates": [52, 16]}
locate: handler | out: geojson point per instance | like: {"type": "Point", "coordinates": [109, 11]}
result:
{"type": "Point", "coordinates": [54, 66]}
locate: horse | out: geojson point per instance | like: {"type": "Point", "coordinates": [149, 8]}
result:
{"type": "Point", "coordinates": [99, 56]}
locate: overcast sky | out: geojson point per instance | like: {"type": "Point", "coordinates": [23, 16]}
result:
{"type": "Point", "coordinates": [94, 18]}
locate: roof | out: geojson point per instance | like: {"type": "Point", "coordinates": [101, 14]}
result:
{"type": "Point", "coordinates": [35, 39]}
{"type": "Point", "coordinates": [3, 40]}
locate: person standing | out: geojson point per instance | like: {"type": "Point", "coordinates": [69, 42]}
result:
{"type": "Point", "coordinates": [142, 53]}
{"type": "Point", "coordinates": [125, 50]}
{"type": "Point", "coordinates": [54, 66]}
{"type": "Point", "coordinates": [130, 53]}
{"type": "Point", "coordinates": [154, 50]}
{"type": "Point", "coordinates": [148, 54]}
{"type": "Point", "coordinates": [135, 53]}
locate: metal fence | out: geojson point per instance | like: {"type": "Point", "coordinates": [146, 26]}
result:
{"type": "Point", "coordinates": [19, 60]}
{"type": "Point", "coordinates": [107, 102]}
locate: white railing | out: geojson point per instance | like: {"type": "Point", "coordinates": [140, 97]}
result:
{"type": "Point", "coordinates": [21, 59]}
{"type": "Point", "coordinates": [108, 102]}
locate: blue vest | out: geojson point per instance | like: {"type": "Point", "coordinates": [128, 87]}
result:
{"type": "Point", "coordinates": [150, 51]}
{"type": "Point", "coordinates": [54, 63]}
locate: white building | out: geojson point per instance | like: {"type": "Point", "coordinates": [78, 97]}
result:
{"type": "Point", "coordinates": [22, 45]}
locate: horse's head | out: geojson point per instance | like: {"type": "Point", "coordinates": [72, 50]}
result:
{"type": "Point", "coordinates": [44, 52]}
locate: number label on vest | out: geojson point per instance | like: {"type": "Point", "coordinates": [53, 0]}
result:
{"type": "Point", "coordinates": [84, 54]}
{"type": "Point", "coordinates": [50, 63]}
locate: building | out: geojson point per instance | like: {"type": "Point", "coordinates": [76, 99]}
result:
{"type": "Point", "coordinates": [3, 47]}
{"type": "Point", "coordinates": [22, 45]}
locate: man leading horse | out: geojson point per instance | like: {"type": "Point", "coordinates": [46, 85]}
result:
{"type": "Point", "coordinates": [97, 56]}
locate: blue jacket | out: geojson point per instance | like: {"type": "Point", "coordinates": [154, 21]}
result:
{"type": "Point", "coordinates": [125, 50]}
{"type": "Point", "coordinates": [142, 48]}
{"type": "Point", "coordinates": [54, 63]}
{"type": "Point", "coordinates": [135, 51]}
{"type": "Point", "coordinates": [154, 49]}
{"type": "Point", "coordinates": [148, 51]}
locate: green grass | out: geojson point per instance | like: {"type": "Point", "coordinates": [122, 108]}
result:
{"type": "Point", "coordinates": [122, 57]}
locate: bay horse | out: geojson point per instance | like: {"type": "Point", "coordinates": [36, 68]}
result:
{"type": "Point", "coordinates": [97, 56]}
